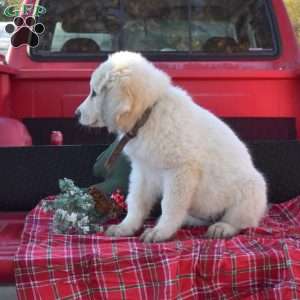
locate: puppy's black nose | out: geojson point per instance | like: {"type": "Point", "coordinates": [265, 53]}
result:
{"type": "Point", "coordinates": [77, 115]}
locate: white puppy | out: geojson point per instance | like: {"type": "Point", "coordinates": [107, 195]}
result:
{"type": "Point", "coordinates": [182, 153]}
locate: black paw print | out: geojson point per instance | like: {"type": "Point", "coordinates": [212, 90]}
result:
{"type": "Point", "coordinates": [25, 32]}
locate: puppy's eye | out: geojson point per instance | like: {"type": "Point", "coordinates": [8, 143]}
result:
{"type": "Point", "coordinates": [93, 94]}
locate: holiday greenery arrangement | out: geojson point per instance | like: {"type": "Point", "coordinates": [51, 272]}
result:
{"type": "Point", "coordinates": [77, 211]}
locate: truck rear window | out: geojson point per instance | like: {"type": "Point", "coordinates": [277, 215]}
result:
{"type": "Point", "coordinates": [87, 29]}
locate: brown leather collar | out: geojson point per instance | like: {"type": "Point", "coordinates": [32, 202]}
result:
{"type": "Point", "coordinates": [126, 138]}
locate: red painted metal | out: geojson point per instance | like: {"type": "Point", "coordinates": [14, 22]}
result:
{"type": "Point", "coordinates": [253, 88]}
{"type": "Point", "coordinates": [13, 133]}
{"type": "Point", "coordinates": [5, 88]}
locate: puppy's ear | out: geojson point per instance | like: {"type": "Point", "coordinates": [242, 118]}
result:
{"type": "Point", "coordinates": [105, 82]}
{"type": "Point", "coordinates": [123, 117]}
{"type": "Point", "coordinates": [129, 108]}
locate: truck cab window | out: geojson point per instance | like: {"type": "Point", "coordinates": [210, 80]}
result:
{"type": "Point", "coordinates": [200, 28]}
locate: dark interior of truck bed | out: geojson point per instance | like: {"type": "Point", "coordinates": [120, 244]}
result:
{"type": "Point", "coordinates": [31, 173]}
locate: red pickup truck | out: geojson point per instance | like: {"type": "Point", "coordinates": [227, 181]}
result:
{"type": "Point", "coordinates": [239, 59]}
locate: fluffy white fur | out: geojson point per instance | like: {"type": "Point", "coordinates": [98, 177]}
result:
{"type": "Point", "coordinates": [183, 153]}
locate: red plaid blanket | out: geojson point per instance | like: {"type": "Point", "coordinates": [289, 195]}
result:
{"type": "Point", "coordinates": [261, 263]}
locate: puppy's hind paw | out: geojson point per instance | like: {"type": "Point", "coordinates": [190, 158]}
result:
{"type": "Point", "coordinates": [221, 230]}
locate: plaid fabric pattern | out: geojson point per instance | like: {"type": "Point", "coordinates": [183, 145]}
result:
{"type": "Point", "coordinates": [261, 263]}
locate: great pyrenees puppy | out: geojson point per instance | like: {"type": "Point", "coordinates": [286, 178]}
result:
{"type": "Point", "coordinates": [183, 154]}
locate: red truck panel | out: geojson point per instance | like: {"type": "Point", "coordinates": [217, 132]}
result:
{"type": "Point", "coordinates": [5, 88]}
{"type": "Point", "coordinates": [261, 88]}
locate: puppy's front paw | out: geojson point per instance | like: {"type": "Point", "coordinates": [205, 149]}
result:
{"type": "Point", "coordinates": [221, 230]}
{"type": "Point", "coordinates": [119, 230]}
{"type": "Point", "coordinates": [154, 235]}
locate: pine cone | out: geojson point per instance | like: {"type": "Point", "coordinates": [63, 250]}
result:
{"type": "Point", "coordinates": [104, 205]}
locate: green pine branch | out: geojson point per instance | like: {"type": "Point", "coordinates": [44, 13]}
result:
{"type": "Point", "coordinates": [74, 210]}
